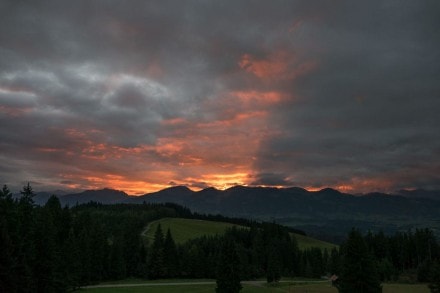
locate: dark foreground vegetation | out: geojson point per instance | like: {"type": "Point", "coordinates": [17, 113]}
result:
{"type": "Point", "coordinates": [56, 249]}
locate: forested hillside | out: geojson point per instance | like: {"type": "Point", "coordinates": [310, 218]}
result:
{"type": "Point", "coordinates": [54, 249]}
{"type": "Point", "coordinates": [326, 214]}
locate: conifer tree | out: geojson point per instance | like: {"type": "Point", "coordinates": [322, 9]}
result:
{"type": "Point", "coordinates": [334, 263]}
{"type": "Point", "coordinates": [142, 269]}
{"type": "Point", "coordinates": [45, 253]}
{"type": "Point", "coordinates": [170, 255]}
{"type": "Point", "coordinates": [5, 193]}
{"type": "Point", "coordinates": [156, 263]}
{"type": "Point", "coordinates": [25, 245]}
{"type": "Point", "coordinates": [273, 273]}
{"type": "Point", "coordinates": [117, 260]}
{"type": "Point", "coordinates": [434, 285]}
{"type": "Point", "coordinates": [359, 272]}
{"type": "Point", "coordinates": [6, 243]}
{"type": "Point", "coordinates": [228, 274]}
{"type": "Point", "coordinates": [6, 258]}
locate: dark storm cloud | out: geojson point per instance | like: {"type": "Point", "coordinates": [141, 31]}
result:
{"type": "Point", "coordinates": [271, 179]}
{"type": "Point", "coordinates": [321, 93]}
{"type": "Point", "coordinates": [369, 112]}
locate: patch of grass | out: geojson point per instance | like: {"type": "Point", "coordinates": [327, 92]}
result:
{"type": "Point", "coordinates": [208, 288]}
{"type": "Point", "coordinates": [324, 287]}
{"type": "Point", "coordinates": [186, 229]}
{"type": "Point", "coordinates": [155, 289]}
{"type": "Point", "coordinates": [302, 287]}
{"type": "Point", "coordinates": [405, 288]}
{"type": "Point", "coordinates": [145, 281]}
{"type": "Point", "coordinates": [305, 242]}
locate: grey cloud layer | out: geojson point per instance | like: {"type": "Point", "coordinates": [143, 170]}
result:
{"type": "Point", "coordinates": [111, 72]}
{"type": "Point", "coordinates": [370, 111]}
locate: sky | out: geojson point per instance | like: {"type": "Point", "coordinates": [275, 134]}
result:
{"type": "Point", "coordinates": [144, 95]}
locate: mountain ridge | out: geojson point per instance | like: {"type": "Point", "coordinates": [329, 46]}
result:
{"type": "Point", "coordinates": [323, 212]}
{"type": "Point", "coordinates": [109, 195]}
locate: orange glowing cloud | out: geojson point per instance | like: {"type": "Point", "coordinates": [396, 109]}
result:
{"type": "Point", "coordinates": [279, 65]}
{"type": "Point", "coordinates": [222, 181]}
{"type": "Point", "coordinates": [118, 182]}
{"type": "Point", "coordinates": [275, 66]}
{"type": "Point", "coordinates": [255, 98]}
{"type": "Point", "coordinates": [359, 185]}
{"type": "Point", "coordinates": [217, 148]}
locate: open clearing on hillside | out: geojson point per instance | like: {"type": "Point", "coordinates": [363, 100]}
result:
{"type": "Point", "coordinates": [305, 242]}
{"type": "Point", "coordinates": [183, 230]}
{"type": "Point", "coordinates": [186, 229]}
{"type": "Point", "coordinates": [187, 287]}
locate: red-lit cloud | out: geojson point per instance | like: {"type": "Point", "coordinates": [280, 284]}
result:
{"type": "Point", "coordinates": [279, 65]}
{"type": "Point", "coordinates": [144, 96]}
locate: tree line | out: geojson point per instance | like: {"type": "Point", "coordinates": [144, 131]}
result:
{"type": "Point", "coordinates": [57, 249]}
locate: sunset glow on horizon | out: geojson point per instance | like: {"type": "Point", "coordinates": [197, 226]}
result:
{"type": "Point", "coordinates": [143, 96]}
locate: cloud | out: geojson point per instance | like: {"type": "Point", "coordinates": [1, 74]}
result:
{"type": "Point", "coordinates": [366, 113]}
{"type": "Point", "coordinates": [135, 96]}
{"type": "Point", "coordinates": [272, 179]}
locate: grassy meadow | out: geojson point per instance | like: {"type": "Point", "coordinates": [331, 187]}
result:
{"type": "Point", "coordinates": [305, 242]}
{"type": "Point", "coordinates": [186, 229]}
{"type": "Point", "coordinates": [257, 288]}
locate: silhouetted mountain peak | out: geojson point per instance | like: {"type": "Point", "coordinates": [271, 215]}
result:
{"type": "Point", "coordinates": [296, 190]}
{"type": "Point", "coordinates": [102, 192]}
{"type": "Point", "coordinates": [420, 193]}
{"type": "Point", "coordinates": [209, 191]}
{"type": "Point", "coordinates": [175, 194]}
{"type": "Point", "coordinates": [329, 191]}
{"type": "Point", "coordinates": [376, 194]}
{"type": "Point", "coordinates": [238, 187]}
{"type": "Point", "coordinates": [180, 189]}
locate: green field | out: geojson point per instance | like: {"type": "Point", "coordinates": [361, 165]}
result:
{"type": "Point", "coordinates": [327, 288]}
{"type": "Point", "coordinates": [185, 229]}
{"type": "Point", "coordinates": [179, 289]}
{"type": "Point", "coordinates": [248, 288]}
{"type": "Point", "coordinates": [308, 242]}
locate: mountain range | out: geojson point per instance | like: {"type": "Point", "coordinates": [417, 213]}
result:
{"type": "Point", "coordinates": [326, 213]}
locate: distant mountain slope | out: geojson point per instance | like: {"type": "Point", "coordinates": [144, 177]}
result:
{"type": "Point", "coordinates": [177, 194]}
{"type": "Point", "coordinates": [326, 213]}
{"type": "Point", "coordinates": [274, 202]}
{"type": "Point", "coordinates": [420, 193]}
{"type": "Point", "coordinates": [106, 196]}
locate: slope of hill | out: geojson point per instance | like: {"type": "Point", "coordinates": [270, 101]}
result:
{"type": "Point", "coordinates": [105, 196]}
{"type": "Point", "coordinates": [420, 193]}
{"type": "Point", "coordinates": [186, 229]}
{"type": "Point", "coordinates": [327, 214]}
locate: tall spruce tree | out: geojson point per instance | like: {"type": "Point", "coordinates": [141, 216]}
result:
{"type": "Point", "coordinates": [434, 285]}
{"type": "Point", "coordinates": [25, 249]}
{"type": "Point", "coordinates": [273, 273]}
{"type": "Point", "coordinates": [334, 263]}
{"type": "Point", "coordinates": [170, 255]}
{"type": "Point", "coordinates": [156, 263]}
{"type": "Point", "coordinates": [228, 269]}
{"type": "Point", "coordinates": [45, 253]}
{"type": "Point", "coordinates": [359, 272]}
{"type": "Point", "coordinates": [6, 243]}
